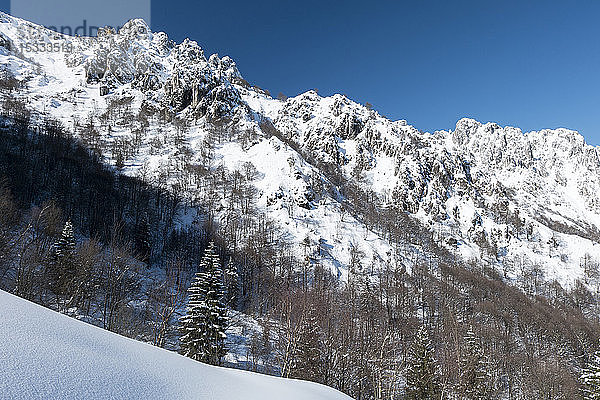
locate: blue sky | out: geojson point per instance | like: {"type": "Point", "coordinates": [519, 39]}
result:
{"type": "Point", "coordinates": [532, 64]}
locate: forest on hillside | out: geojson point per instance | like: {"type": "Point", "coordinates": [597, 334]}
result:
{"type": "Point", "coordinates": [79, 237]}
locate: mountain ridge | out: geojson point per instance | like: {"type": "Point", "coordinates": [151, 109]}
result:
{"type": "Point", "coordinates": [489, 193]}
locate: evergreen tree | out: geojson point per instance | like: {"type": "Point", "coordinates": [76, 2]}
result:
{"type": "Point", "coordinates": [194, 324]}
{"type": "Point", "coordinates": [590, 378]}
{"type": "Point", "coordinates": [142, 239]}
{"type": "Point", "coordinates": [120, 161]}
{"type": "Point", "coordinates": [63, 265]}
{"type": "Point", "coordinates": [474, 377]}
{"type": "Point", "coordinates": [422, 376]}
{"type": "Point", "coordinates": [203, 326]}
{"type": "Point", "coordinates": [231, 280]}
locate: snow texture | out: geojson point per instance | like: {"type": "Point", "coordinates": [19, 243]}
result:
{"type": "Point", "coordinates": [46, 355]}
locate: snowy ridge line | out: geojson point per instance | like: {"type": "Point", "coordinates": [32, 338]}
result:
{"type": "Point", "coordinates": [488, 193]}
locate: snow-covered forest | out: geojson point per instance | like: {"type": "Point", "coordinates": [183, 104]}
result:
{"type": "Point", "coordinates": [156, 193]}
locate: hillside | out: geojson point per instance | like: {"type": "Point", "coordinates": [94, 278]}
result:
{"type": "Point", "coordinates": [348, 239]}
{"type": "Point", "coordinates": [487, 192]}
{"type": "Point", "coordinates": [46, 355]}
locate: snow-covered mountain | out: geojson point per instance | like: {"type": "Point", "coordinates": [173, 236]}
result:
{"type": "Point", "coordinates": [46, 355]}
{"type": "Point", "coordinates": [518, 201]}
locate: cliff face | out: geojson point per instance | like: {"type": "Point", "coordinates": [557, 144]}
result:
{"type": "Point", "coordinates": [483, 191]}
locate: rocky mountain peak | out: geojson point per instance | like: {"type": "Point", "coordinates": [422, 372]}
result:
{"type": "Point", "coordinates": [469, 183]}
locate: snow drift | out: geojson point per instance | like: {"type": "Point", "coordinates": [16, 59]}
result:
{"type": "Point", "coordinates": [46, 355]}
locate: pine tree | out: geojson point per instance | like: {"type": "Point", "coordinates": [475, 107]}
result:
{"type": "Point", "coordinates": [65, 246]}
{"type": "Point", "coordinates": [203, 326]}
{"type": "Point", "coordinates": [474, 377]}
{"type": "Point", "coordinates": [590, 378]}
{"type": "Point", "coordinates": [231, 279]}
{"type": "Point", "coordinates": [63, 265]}
{"type": "Point", "coordinates": [120, 161]}
{"type": "Point", "coordinates": [194, 325]}
{"type": "Point", "coordinates": [142, 239]}
{"type": "Point", "coordinates": [422, 376]}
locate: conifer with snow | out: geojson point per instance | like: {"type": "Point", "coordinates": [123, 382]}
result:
{"type": "Point", "coordinates": [63, 265]}
{"type": "Point", "coordinates": [590, 378]}
{"type": "Point", "coordinates": [422, 375]}
{"type": "Point", "coordinates": [231, 281]}
{"type": "Point", "coordinates": [203, 326]}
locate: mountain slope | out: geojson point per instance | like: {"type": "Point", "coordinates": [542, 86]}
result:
{"type": "Point", "coordinates": [46, 355]}
{"type": "Point", "coordinates": [491, 194]}
{"type": "Point", "coordinates": [139, 139]}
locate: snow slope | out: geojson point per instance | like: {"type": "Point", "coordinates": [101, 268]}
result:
{"type": "Point", "coordinates": [46, 355]}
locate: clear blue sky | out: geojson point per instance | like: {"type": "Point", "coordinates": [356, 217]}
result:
{"type": "Point", "coordinates": [531, 64]}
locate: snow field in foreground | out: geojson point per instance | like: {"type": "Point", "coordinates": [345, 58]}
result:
{"type": "Point", "coordinates": [46, 355]}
